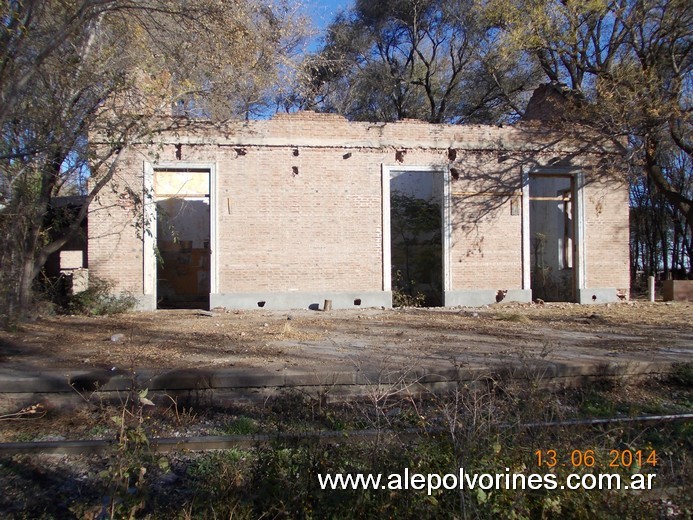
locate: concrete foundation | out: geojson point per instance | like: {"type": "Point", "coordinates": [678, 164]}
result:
{"type": "Point", "coordinates": [480, 297]}
{"type": "Point", "coordinates": [301, 300]}
{"type": "Point", "coordinates": [145, 302]}
{"type": "Point", "coordinates": [606, 295]}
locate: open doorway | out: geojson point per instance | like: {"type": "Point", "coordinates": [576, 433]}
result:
{"type": "Point", "coordinates": [416, 237]}
{"type": "Point", "coordinates": [182, 238]}
{"type": "Point", "coordinates": [552, 237]}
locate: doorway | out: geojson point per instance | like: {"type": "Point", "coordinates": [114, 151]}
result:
{"type": "Point", "coordinates": [416, 200]}
{"type": "Point", "coordinates": [552, 231]}
{"type": "Point", "coordinates": [183, 238]}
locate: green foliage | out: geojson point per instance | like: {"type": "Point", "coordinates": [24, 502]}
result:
{"type": "Point", "coordinates": [99, 300]}
{"type": "Point", "coordinates": [242, 426]}
{"type": "Point", "coordinates": [413, 217]}
{"type": "Point", "coordinates": [218, 479]}
{"type": "Point", "coordinates": [682, 375]}
{"type": "Point", "coordinates": [130, 462]}
{"type": "Point", "coordinates": [623, 70]}
{"type": "Point", "coordinates": [594, 404]}
{"type": "Point", "coordinates": [75, 70]}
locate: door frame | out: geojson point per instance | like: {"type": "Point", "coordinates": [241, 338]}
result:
{"type": "Point", "coordinates": [446, 223]}
{"type": "Point", "coordinates": [150, 223]}
{"type": "Point", "coordinates": [579, 250]}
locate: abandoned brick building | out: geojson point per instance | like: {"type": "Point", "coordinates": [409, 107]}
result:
{"type": "Point", "coordinates": [289, 212]}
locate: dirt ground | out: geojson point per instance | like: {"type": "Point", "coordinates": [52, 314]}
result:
{"type": "Point", "coordinates": [315, 340]}
{"type": "Point", "coordinates": [72, 487]}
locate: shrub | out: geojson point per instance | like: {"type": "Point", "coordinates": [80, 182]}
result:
{"type": "Point", "coordinates": [99, 300]}
{"type": "Point", "coordinates": [403, 296]}
{"type": "Point", "coordinates": [682, 374]}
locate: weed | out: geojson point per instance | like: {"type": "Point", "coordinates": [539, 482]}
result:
{"type": "Point", "coordinates": [127, 468]}
{"type": "Point", "coordinates": [595, 402]}
{"type": "Point", "coordinates": [218, 480]}
{"type": "Point", "coordinates": [206, 468]}
{"type": "Point", "coordinates": [34, 411]}
{"type": "Point", "coordinates": [242, 426]}
{"type": "Point", "coordinates": [99, 300]}
{"type": "Point", "coordinates": [402, 299]}
{"type": "Point", "coordinates": [682, 375]}
{"type": "Point", "coordinates": [184, 416]}
{"type": "Point", "coordinates": [480, 426]}
{"type": "Point", "coordinates": [403, 294]}
{"type": "Point", "coordinates": [98, 431]}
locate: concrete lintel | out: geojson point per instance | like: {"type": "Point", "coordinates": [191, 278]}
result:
{"type": "Point", "coordinates": [598, 295]}
{"type": "Point", "coordinates": [301, 300]}
{"type": "Point", "coordinates": [479, 297]}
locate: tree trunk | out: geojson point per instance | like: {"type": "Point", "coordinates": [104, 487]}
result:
{"type": "Point", "coordinates": [25, 294]}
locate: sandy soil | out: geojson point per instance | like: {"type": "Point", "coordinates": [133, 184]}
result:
{"type": "Point", "coordinates": [315, 339]}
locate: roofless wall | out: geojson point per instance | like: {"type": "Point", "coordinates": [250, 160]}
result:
{"type": "Point", "coordinates": [289, 212]}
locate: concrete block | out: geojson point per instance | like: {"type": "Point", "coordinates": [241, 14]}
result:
{"type": "Point", "coordinates": [80, 280]}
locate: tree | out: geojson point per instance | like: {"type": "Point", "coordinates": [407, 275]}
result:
{"type": "Point", "coordinates": [660, 241]}
{"type": "Point", "coordinates": [626, 66]}
{"type": "Point", "coordinates": [433, 60]}
{"type": "Point", "coordinates": [69, 68]}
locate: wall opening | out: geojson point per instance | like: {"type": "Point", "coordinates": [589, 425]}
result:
{"type": "Point", "coordinates": [552, 226]}
{"type": "Point", "coordinates": [416, 237]}
{"type": "Point", "coordinates": [183, 238]}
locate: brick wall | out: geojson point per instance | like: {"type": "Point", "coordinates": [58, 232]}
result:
{"type": "Point", "coordinates": [487, 239]}
{"type": "Point", "coordinates": [313, 228]}
{"type": "Point", "coordinates": [607, 230]}
{"type": "Point", "coordinates": [115, 228]}
{"type": "Point", "coordinates": [300, 202]}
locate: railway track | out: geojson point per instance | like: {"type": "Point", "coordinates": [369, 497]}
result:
{"type": "Point", "coordinates": [220, 442]}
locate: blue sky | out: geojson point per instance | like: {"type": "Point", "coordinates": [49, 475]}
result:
{"type": "Point", "coordinates": [322, 11]}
